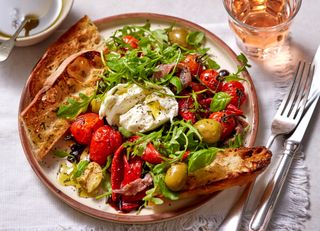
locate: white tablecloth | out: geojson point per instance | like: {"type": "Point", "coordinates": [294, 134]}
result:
{"type": "Point", "coordinates": [25, 203]}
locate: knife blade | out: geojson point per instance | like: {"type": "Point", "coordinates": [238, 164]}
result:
{"type": "Point", "coordinates": [233, 219]}
{"type": "Point", "coordinates": [262, 216]}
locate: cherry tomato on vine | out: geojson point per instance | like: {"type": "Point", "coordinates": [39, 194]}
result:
{"type": "Point", "coordinates": [192, 63]}
{"type": "Point", "coordinates": [197, 86]}
{"type": "Point", "coordinates": [227, 122]}
{"type": "Point", "coordinates": [186, 109]}
{"type": "Point", "coordinates": [236, 90]}
{"type": "Point", "coordinates": [132, 41]}
{"type": "Point", "coordinates": [105, 141]}
{"type": "Point", "coordinates": [84, 126]}
{"type": "Point", "coordinates": [211, 79]}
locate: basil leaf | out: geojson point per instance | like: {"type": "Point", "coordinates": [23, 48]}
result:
{"type": "Point", "coordinates": [202, 158]}
{"type": "Point", "coordinates": [213, 64]}
{"type": "Point", "coordinates": [243, 59]}
{"type": "Point", "coordinates": [73, 108]}
{"type": "Point", "coordinates": [163, 188]}
{"type": "Point", "coordinates": [175, 81]}
{"type": "Point", "coordinates": [157, 201]}
{"type": "Point", "coordinates": [81, 167]}
{"type": "Point", "coordinates": [160, 168]}
{"type": "Point", "coordinates": [233, 78]}
{"type": "Point", "coordinates": [60, 153]}
{"type": "Point", "coordinates": [195, 38]}
{"type": "Point", "coordinates": [149, 197]}
{"type": "Point", "coordinates": [219, 101]}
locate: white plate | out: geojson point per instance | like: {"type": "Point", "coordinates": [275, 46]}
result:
{"type": "Point", "coordinates": [47, 171]}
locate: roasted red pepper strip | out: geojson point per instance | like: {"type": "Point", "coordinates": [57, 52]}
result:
{"type": "Point", "coordinates": [136, 198]}
{"type": "Point", "coordinates": [124, 171]}
{"type": "Point", "coordinates": [132, 169]}
{"type": "Point", "coordinates": [128, 206]}
{"type": "Point", "coordinates": [151, 155]}
{"type": "Point", "coordinates": [117, 171]}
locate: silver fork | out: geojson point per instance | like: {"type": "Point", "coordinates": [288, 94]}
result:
{"type": "Point", "coordinates": [292, 106]}
{"type": "Point", "coordinates": [286, 119]}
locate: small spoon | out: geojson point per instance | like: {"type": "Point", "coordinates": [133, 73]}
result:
{"type": "Point", "coordinates": [7, 46]}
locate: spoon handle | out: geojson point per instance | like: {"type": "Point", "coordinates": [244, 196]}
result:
{"type": "Point", "coordinates": [17, 32]}
{"type": "Point", "coordinates": [6, 46]}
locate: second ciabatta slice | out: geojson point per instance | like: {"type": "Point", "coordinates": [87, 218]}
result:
{"type": "Point", "coordinates": [231, 167]}
{"type": "Point", "coordinates": [79, 73]}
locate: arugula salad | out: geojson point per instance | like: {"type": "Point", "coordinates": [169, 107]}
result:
{"type": "Point", "coordinates": [162, 109]}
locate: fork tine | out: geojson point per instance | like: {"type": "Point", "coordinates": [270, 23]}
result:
{"type": "Point", "coordinates": [295, 98]}
{"type": "Point", "coordinates": [304, 93]}
{"type": "Point", "coordinates": [292, 92]}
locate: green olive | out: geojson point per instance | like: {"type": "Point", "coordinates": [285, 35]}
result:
{"type": "Point", "coordinates": [209, 129]}
{"type": "Point", "coordinates": [95, 105]}
{"type": "Point", "coordinates": [178, 36]}
{"type": "Point", "coordinates": [176, 176]}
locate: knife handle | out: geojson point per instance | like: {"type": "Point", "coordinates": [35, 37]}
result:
{"type": "Point", "coordinates": [263, 213]}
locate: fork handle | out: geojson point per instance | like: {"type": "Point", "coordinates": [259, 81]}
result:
{"type": "Point", "coordinates": [262, 215]}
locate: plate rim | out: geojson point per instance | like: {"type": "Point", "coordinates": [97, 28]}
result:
{"type": "Point", "coordinates": [121, 217]}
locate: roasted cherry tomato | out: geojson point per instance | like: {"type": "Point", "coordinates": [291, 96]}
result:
{"type": "Point", "coordinates": [232, 109]}
{"type": "Point", "coordinates": [192, 63]}
{"type": "Point", "coordinates": [197, 86]}
{"type": "Point", "coordinates": [84, 126]}
{"type": "Point", "coordinates": [186, 109]}
{"type": "Point", "coordinates": [132, 41]}
{"type": "Point", "coordinates": [105, 141]}
{"type": "Point", "coordinates": [151, 155]}
{"type": "Point", "coordinates": [236, 90]}
{"type": "Point", "coordinates": [227, 122]}
{"type": "Point", "coordinates": [211, 79]}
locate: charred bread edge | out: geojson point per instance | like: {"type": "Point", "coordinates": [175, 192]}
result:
{"type": "Point", "coordinates": [48, 83]}
{"type": "Point", "coordinates": [51, 51]}
{"type": "Point", "coordinates": [221, 185]}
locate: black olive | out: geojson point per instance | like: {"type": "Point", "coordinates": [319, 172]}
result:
{"type": "Point", "coordinates": [71, 158]}
{"type": "Point", "coordinates": [77, 147]}
{"type": "Point", "coordinates": [76, 150]}
{"type": "Point", "coordinates": [224, 73]}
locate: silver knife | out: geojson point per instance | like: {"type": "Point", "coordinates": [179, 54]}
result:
{"type": "Point", "coordinates": [233, 219]}
{"type": "Point", "coordinates": [263, 214]}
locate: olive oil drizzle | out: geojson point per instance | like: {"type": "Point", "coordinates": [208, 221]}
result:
{"type": "Point", "coordinates": [33, 22]}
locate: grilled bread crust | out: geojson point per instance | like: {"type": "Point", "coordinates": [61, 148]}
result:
{"type": "Point", "coordinates": [84, 35]}
{"type": "Point", "coordinates": [231, 167]}
{"type": "Point", "coordinates": [77, 74]}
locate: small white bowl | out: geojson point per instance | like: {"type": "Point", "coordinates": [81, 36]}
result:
{"type": "Point", "coordinates": [58, 11]}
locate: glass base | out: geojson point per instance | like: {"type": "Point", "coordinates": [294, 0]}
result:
{"type": "Point", "coordinates": [259, 53]}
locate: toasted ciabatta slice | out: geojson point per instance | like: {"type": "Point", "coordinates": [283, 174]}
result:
{"type": "Point", "coordinates": [84, 35]}
{"type": "Point", "coordinates": [231, 167]}
{"type": "Point", "coordinates": [77, 74]}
